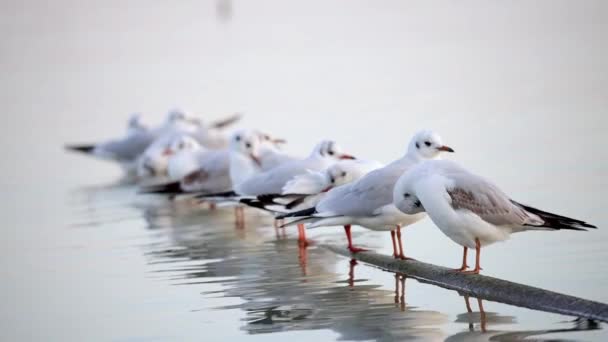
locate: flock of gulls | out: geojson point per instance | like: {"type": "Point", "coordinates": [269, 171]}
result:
{"type": "Point", "coordinates": [329, 187]}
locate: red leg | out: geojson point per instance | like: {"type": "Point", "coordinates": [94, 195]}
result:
{"type": "Point", "coordinates": [303, 257]}
{"type": "Point", "coordinates": [482, 314]}
{"type": "Point", "coordinates": [351, 248]}
{"type": "Point", "coordinates": [212, 206]}
{"type": "Point", "coordinates": [464, 261]}
{"type": "Point", "coordinates": [302, 235]}
{"type": "Point", "coordinates": [395, 254]}
{"type": "Point", "coordinates": [477, 257]}
{"type": "Point", "coordinates": [401, 255]}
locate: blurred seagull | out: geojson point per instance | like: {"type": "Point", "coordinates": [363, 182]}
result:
{"type": "Point", "coordinates": [324, 154]}
{"type": "Point", "coordinates": [306, 190]}
{"type": "Point", "coordinates": [469, 209]}
{"type": "Point", "coordinates": [368, 202]}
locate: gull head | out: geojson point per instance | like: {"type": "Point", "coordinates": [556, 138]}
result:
{"type": "Point", "coordinates": [135, 124]}
{"type": "Point", "coordinates": [330, 149]}
{"type": "Point", "coordinates": [247, 143]}
{"type": "Point", "coordinates": [406, 193]}
{"type": "Point", "coordinates": [183, 143]}
{"type": "Point", "coordinates": [427, 144]}
{"type": "Point", "coordinates": [405, 197]}
{"type": "Point", "coordinates": [348, 171]}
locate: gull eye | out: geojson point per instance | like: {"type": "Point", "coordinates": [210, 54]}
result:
{"type": "Point", "coordinates": [417, 145]}
{"type": "Point", "coordinates": [331, 153]}
{"type": "Point", "coordinates": [181, 146]}
{"type": "Point", "coordinates": [266, 137]}
{"type": "Point", "coordinates": [343, 174]}
{"type": "Point", "coordinates": [406, 195]}
{"type": "Point", "coordinates": [248, 145]}
{"type": "Point", "coordinates": [237, 138]}
{"type": "Point", "coordinates": [427, 143]}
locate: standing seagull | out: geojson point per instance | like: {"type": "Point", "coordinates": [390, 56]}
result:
{"type": "Point", "coordinates": [368, 202]}
{"type": "Point", "coordinates": [469, 209]}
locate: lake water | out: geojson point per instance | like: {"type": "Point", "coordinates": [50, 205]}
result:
{"type": "Point", "coordinates": [519, 90]}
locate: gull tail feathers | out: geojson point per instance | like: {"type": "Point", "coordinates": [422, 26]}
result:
{"type": "Point", "coordinates": [172, 188]}
{"type": "Point", "coordinates": [555, 221]}
{"type": "Point", "coordinates": [84, 148]}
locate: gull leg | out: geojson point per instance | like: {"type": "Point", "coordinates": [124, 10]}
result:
{"type": "Point", "coordinates": [396, 289]}
{"type": "Point", "coordinates": [212, 206]}
{"type": "Point", "coordinates": [470, 311]}
{"type": "Point", "coordinates": [401, 255]}
{"type": "Point", "coordinates": [351, 248]}
{"type": "Point", "coordinates": [303, 258]}
{"type": "Point", "coordinates": [402, 298]}
{"type": "Point", "coordinates": [477, 257]}
{"type": "Point", "coordinates": [351, 272]}
{"type": "Point", "coordinates": [464, 261]}
{"type": "Point", "coordinates": [302, 235]}
{"type": "Point", "coordinates": [395, 254]}
{"type": "Point", "coordinates": [482, 314]}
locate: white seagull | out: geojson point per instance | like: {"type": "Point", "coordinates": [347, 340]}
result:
{"type": "Point", "coordinates": [215, 171]}
{"type": "Point", "coordinates": [306, 190]}
{"type": "Point", "coordinates": [368, 202]}
{"type": "Point", "coordinates": [469, 209]}
{"type": "Point", "coordinates": [185, 154]}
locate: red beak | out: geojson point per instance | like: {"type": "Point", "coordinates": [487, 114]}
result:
{"type": "Point", "coordinates": [167, 152]}
{"type": "Point", "coordinates": [327, 189]}
{"type": "Point", "coordinates": [256, 160]}
{"type": "Point", "coordinates": [445, 149]}
{"type": "Point", "coordinates": [347, 156]}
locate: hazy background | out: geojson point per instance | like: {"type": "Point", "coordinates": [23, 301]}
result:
{"type": "Point", "coordinates": [519, 89]}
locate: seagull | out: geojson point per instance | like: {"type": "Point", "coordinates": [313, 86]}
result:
{"type": "Point", "coordinates": [469, 209]}
{"type": "Point", "coordinates": [185, 153]}
{"type": "Point", "coordinates": [324, 154]}
{"type": "Point", "coordinates": [368, 202]}
{"type": "Point", "coordinates": [306, 190]}
{"type": "Point", "coordinates": [125, 150]}
{"type": "Point", "coordinates": [215, 171]}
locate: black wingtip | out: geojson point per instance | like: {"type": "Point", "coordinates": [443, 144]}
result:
{"type": "Point", "coordinates": [217, 194]}
{"type": "Point", "coordinates": [268, 198]}
{"type": "Point", "coordinates": [254, 203]}
{"type": "Point", "coordinates": [173, 188]}
{"type": "Point", "coordinates": [557, 221]}
{"type": "Point", "coordinates": [88, 149]}
{"type": "Point", "coordinates": [305, 212]}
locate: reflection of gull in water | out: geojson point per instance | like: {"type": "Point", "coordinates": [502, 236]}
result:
{"type": "Point", "coordinates": [482, 319]}
{"type": "Point", "coordinates": [285, 286]}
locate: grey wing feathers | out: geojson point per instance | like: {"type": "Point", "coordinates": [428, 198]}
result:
{"type": "Point", "coordinates": [492, 206]}
{"type": "Point", "coordinates": [365, 196]}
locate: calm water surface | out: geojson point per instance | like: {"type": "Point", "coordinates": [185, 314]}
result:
{"type": "Point", "coordinates": [520, 92]}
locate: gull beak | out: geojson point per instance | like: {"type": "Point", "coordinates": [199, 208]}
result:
{"type": "Point", "coordinates": [256, 159]}
{"type": "Point", "coordinates": [278, 141]}
{"type": "Point", "coordinates": [347, 156]}
{"type": "Point", "coordinates": [327, 189]}
{"type": "Point", "coordinates": [167, 152]}
{"type": "Point", "coordinates": [445, 148]}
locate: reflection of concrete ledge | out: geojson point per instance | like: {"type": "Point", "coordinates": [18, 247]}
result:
{"type": "Point", "coordinates": [485, 287]}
